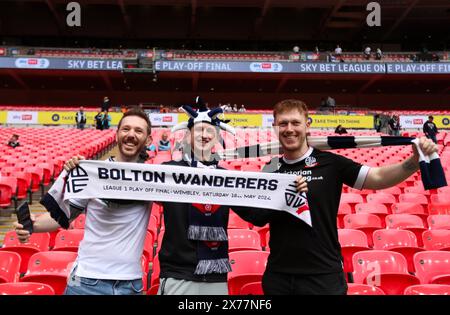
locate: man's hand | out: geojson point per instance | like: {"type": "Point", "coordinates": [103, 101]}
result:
{"type": "Point", "coordinates": [23, 235]}
{"type": "Point", "coordinates": [302, 185]}
{"type": "Point", "coordinates": [427, 146]}
{"type": "Point", "coordinates": [73, 162]}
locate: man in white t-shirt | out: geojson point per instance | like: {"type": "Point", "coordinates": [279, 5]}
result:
{"type": "Point", "coordinates": [109, 256]}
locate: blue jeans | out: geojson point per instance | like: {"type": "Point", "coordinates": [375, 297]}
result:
{"type": "Point", "coordinates": [88, 286]}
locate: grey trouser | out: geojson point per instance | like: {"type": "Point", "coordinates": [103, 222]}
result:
{"type": "Point", "coordinates": [170, 286]}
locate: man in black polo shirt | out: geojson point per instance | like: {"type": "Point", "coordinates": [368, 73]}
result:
{"type": "Point", "coordinates": [194, 252]}
{"type": "Point", "coordinates": [305, 259]}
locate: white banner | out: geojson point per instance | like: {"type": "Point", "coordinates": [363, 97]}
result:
{"type": "Point", "coordinates": [134, 181]}
{"type": "Point", "coordinates": [408, 122]}
{"type": "Point", "coordinates": [163, 119]}
{"type": "Point", "coordinates": [22, 117]}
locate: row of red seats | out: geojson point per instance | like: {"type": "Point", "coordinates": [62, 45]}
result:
{"type": "Point", "coordinates": [40, 157]}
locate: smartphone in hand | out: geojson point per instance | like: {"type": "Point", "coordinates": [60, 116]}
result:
{"type": "Point", "coordinates": [24, 218]}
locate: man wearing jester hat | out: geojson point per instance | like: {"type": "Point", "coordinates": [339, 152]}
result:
{"type": "Point", "coordinates": [194, 252]}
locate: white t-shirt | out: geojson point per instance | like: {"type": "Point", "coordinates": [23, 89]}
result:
{"type": "Point", "coordinates": [113, 240]}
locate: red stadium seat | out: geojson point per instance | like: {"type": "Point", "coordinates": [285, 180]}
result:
{"type": "Point", "coordinates": [344, 209]}
{"type": "Point", "coordinates": [436, 240]}
{"type": "Point", "coordinates": [68, 240]}
{"type": "Point", "coordinates": [26, 288]}
{"type": "Point", "coordinates": [37, 242]}
{"type": "Point", "coordinates": [413, 197]}
{"type": "Point", "coordinates": [351, 241]}
{"type": "Point", "coordinates": [253, 288]}
{"type": "Point", "coordinates": [51, 268]}
{"type": "Point", "coordinates": [363, 289]}
{"type": "Point", "coordinates": [247, 267]}
{"type": "Point", "coordinates": [409, 222]}
{"type": "Point", "coordinates": [438, 207]}
{"type": "Point", "coordinates": [439, 221]}
{"type": "Point", "coordinates": [376, 208]}
{"type": "Point", "coordinates": [149, 246]}
{"type": "Point", "coordinates": [155, 272]}
{"type": "Point", "coordinates": [235, 222]}
{"type": "Point", "coordinates": [352, 199]}
{"type": "Point", "coordinates": [243, 239]}
{"type": "Point", "coordinates": [428, 289]}
{"type": "Point", "coordinates": [433, 267]}
{"type": "Point", "coordinates": [6, 195]}
{"type": "Point", "coordinates": [9, 266]}
{"type": "Point", "coordinates": [381, 197]}
{"type": "Point", "coordinates": [395, 191]}
{"type": "Point", "coordinates": [410, 208]}
{"type": "Point", "coordinates": [384, 269]}
{"type": "Point", "coordinates": [400, 241]}
{"type": "Point", "coordinates": [262, 231]}
{"type": "Point", "coordinates": [365, 222]}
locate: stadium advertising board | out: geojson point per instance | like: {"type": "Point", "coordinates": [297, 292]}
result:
{"type": "Point", "coordinates": [410, 122]}
{"type": "Point", "coordinates": [332, 121]}
{"type": "Point", "coordinates": [22, 117]}
{"type": "Point", "coordinates": [302, 67]}
{"type": "Point", "coordinates": [417, 121]}
{"type": "Point", "coordinates": [232, 66]}
{"type": "Point", "coordinates": [68, 118]}
{"type": "Point", "coordinates": [61, 63]}
{"type": "Point", "coordinates": [163, 119]}
{"type": "Point", "coordinates": [437, 67]}
{"type": "Point", "coordinates": [236, 120]}
{"type": "Point", "coordinates": [442, 121]}
{"type": "Point", "coordinates": [267, 120]}
{"type": "Point", "coordinates": [3, 117]}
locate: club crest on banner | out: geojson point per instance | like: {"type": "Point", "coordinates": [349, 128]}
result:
{"type": "Point", "coordinates": [298, 204]}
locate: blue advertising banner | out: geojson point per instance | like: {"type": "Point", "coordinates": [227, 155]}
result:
{"type": "Point", "coordinates": [231, 66]}
{"type": "Point", "coordinates": [61, 63]}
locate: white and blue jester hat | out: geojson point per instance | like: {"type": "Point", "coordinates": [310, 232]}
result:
{"type": "Point", "coordinates": [203, 114]}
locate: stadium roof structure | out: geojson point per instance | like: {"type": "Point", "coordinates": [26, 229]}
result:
{"type": "Point", "coordinates": [265, 20]}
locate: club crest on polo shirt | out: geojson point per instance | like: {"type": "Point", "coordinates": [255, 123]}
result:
{"type": "Point", "coordinates": [310, 161]}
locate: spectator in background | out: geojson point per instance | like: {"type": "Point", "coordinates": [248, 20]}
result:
{"type": "Point", "coordinates": [394, 126]}
{"type": "Point", "coordinates": [123, 109]}
{"type": "Point", "coordinates": [162, 109]}
{"type": "Point", "coordinates": [106, 120]}
{"type": "Point", "coordinates": [151, 148]}
{"type": "Point", "coordinates": [338, 51]}
{"type": "Point", "coordinates": [378, 54]}
{"type": "Point", "coordinates": [242, 109]}
{"type": "Point", "coordinates": [99, 121]}
{"type": "Point", "coordinates": [14, 141]}
{"type": "Point", "coordinates": [367, 53]}
{"type": "Point", "coordinates": [331, 102]}
{"type": "Point", "coordinates": [323, 103]}
{"type": "Point", "coordinates": [164, 143]}
{"type": "Point", "coordinates": [235, 108]}
{"type": "Point", "coordinates": [80, 118]}
{"type": "Point", "coordinates": [106, 104]}
{"type": "Point", "coordinates": [340, 130]}
{"type": "Point", "coordinates": [377, 123]}
{"type": "Point", "coordinates": [430, 129]}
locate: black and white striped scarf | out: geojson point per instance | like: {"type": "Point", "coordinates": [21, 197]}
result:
{"type": "Point", "coordinates": [431, 170]}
